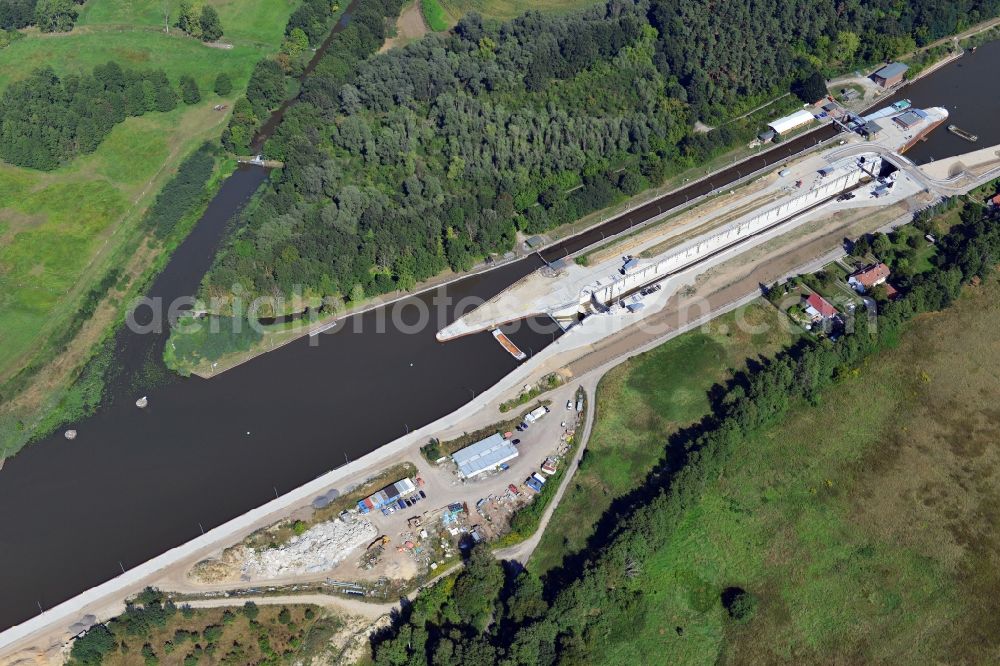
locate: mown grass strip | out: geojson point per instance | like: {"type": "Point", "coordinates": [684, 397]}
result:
{"type": "Point", "coordinates": [434, 15]}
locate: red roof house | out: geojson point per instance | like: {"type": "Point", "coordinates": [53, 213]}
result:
{"type": "Point", "coordinates": [817, 307]}
{"type": "Point", "coordinates": [868, 277]}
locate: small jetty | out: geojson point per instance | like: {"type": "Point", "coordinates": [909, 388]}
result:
{"type": "Point", "coordinates": [142, 402]}
{"type": "Point", "coordinates": [959, 132]}
{"type": "Point", "coordinates": [508, 345]}
{"type": "Point", "coordinates": [260, 160]}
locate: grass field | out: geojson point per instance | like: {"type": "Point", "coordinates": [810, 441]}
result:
{"type": "Point", "coordinates": [56, 225]}
{"type": "Point", "coordinates": [139, 49]}
{"type": "Point", "coordinates": [62, 231]}
{"type": "Point", "coordinates": [243, 21]}
{"type": "Point", "coordinates": [640, 403]}
{"type": "Point", "coordinates": [865, 526]}
{"type": "Point", "coordinates": [505, 9]}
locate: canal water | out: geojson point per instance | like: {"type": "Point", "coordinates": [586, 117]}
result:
{"type": "Point", "coordinates": [967, 88]}
{"type": "Point", "coordinates": [137, 482]}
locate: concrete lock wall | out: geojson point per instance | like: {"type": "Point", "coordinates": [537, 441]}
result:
{"type": "Point", "coordinates": [730, 236]}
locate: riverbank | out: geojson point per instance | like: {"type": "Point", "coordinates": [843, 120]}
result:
{"type": "Point", "coordinates": [276, 336]}
{"type": "Point", "coordinates": [74, 247]}
{"type": "Point", "coordinates": [50, 391]}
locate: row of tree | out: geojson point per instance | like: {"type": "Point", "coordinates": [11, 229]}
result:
{"type": "Point", "coordinates": [268, 84]}
{"type": "Point", "coordinates": [48, 15]}
{"type": "Point", "coordinates": [486, 617]}
{"type": "Point", "coordinates": [437, 154]}
{"type": "Point", "coordinates": [45, 121]}
{"type": "Point", "coordinates": [184, 191]}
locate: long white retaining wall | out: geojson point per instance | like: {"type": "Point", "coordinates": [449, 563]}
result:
{"type": "Point", "coordinates": [700, 248]}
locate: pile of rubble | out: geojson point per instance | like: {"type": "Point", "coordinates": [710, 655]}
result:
{"type": "Point", "coordinates": [318, 549]}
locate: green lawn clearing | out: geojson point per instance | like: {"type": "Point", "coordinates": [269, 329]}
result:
{"type": "Point", "coordinates": [247, 21]}
{"type": "Point", "coordinates": [435, 16]}
{"type": "Point", "coordinates": [505, 9]}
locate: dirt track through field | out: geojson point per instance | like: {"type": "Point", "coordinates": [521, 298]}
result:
{"type": "Point", "coordinates": [409, 27]}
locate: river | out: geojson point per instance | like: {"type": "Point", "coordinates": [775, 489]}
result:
{"type": "Point", "coordinates": [137, 482]}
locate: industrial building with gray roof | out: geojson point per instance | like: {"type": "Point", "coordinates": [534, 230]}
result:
{"type": "Point", "coordinates": [484, 455]}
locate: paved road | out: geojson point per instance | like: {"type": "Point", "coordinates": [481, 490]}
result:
{"type": "Point", "coordinates": [522, 551]}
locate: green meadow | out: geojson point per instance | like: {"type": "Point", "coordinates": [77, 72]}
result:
{"type": "Point", "coordinates": [863, 525]}
{"type": "Point", "coordinates": [175, 54]}
{"type": "Point", "coordinates": [506, 9]}
{"type": "Point", "coordinates": [59, 228]}
{"type": "Point", "coordinates": [244, 21]}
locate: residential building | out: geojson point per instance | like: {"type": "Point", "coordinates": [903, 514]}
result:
{"type": "Point", "coordinates": [818, 308]}
{"type": "Point", "coordinates": [868, 277]}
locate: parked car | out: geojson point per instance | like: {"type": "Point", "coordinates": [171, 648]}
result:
{"type": "Point", "coordinates": [515, 442]}
{"type": "Point", "coordinates": [512, 488]}
{"type": "Point", "coordinates": [569, 404]}
{"type": "Point", "coordinates": [423, 495]}
{"type": "Point", "coordinates": [504, 467]}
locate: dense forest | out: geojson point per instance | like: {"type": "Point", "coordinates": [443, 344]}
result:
{"type": "Point", "coordinates": [486, 615]}
{"type": "Point", "coordinates": [46, 121]}
{"type": "Point", "coordinates": [434, 155]}
{"type": "Point", "coordinates": [48, 15]}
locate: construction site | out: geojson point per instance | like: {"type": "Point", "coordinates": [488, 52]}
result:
{"type": "Point", "coordinates": [862, 176]}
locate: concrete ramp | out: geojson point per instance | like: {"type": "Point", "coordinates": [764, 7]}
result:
{"type": "Point", "coordinates": [533, 295]}
{"type": "Point", "coordinates": [976, 163]}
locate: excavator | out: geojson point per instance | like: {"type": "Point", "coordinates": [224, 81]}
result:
{"type": "Point", "coordinates": [381, 541]}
